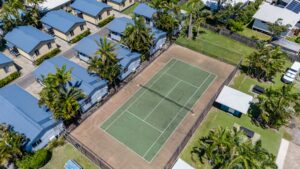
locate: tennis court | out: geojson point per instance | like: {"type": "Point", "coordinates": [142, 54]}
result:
{"type": "Point", "coordinates": [146, 121]}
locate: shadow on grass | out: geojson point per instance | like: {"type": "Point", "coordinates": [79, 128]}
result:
{"type": "Point", "coordinates": [254, 114]}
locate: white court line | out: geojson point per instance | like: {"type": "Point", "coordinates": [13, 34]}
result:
{"type": "Point", "coordinates": [138, 97]}
{"type": "Point", "coordinates": [144, 121]}
{"type": "Point", "coordinates": [175, 117]}
{"type": "Point", "coordinates": [162, 99]}
{"type": "Point", "coordinates": [169, 74]}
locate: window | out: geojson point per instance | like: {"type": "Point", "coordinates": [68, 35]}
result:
{"type": "Point", "coordinates": [6, 69]}
{"type": "Point", "coordinates": [49, 45]}
{"type": "Point", "coordinates": [126, 69]}
{"type": "Point", "coordinates": [71, 33]}
{"type": "Point", "coordinates": [130, 1]}
{"type": "Point", "coordinates": [36, 143]}
{"type": "Point", "coordinates": [100, 17]}
{"type": "Point", "coordinates": [37, 52]}
{"type": "Point", "coordinates": [108, 12]}
{"type": "Point", "coordinates": [81, 27]}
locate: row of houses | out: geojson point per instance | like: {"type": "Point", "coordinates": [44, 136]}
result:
{"type": "Point", "coordinates": [37, 122]}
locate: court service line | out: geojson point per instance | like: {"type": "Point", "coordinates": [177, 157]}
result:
{"type": "Point", "coordinates": [175, 118]}
{"type": "Point", "coordinates": [162, 99]}
{"type": "Point", "coordinates": [184, 81]}
{"type": "Point", "coordinates": [138, 96]}
{"type": "Point", "coordinates": [144, 121]}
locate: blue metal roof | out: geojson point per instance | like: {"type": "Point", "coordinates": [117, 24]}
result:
{"type": "Point", "coordinates": [61, 20]}
{"type": "Point", "coordinates": [21, 110]}
{"type": "Point", "coordinates": [117, 1]}
{"type": "Point", "coordinates": [90, 7]}
{"type": "Point", "coordinates": [89, 82]}
{"type": "Point", "coordinates": [27, 38]}
{"type": "Point", "coordinates": [88, 47]}
{"type": "Point", "coordinates": [144, 10]}
{"type": "Point", "coordinates": [4, 59]}
{"type": "Point", "coordinates": [119, 25]}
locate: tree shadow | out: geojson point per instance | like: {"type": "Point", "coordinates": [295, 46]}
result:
{"type": "Point", "coordinates": [254, 114]}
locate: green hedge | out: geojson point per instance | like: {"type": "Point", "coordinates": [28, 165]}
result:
{"type": "Point", "coordinates": [80, 36]}
{"type": "Point", "coordinates": [36, 160]}
{"type": "Point", "coordinates": [46, 56]}
{"type": "Point", "coordinates": [9, 78]}
{"type": "Point", "coordinates": [106, 21]}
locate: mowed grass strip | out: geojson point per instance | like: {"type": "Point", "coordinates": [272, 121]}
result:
{"type": "Point", "coordinates": [216, 45]}
{"type": "Point", "coordinates": [147, 120]}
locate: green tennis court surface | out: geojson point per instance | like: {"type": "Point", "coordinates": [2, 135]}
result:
{"type": "Point", "coordinates": [148, 118]}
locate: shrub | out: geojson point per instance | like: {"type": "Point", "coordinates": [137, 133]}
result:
{"type": "Point", "coordinates": [55, 143]}
{"type": "Point", "coordinates": [9, 78]}
{"type": "Point", "coordinates": [36, 160]}
{"type": "Point", "coordinates": [46, 56]}
{"type": "Point", "coordinates": [297, 40]}
{"type": "Point", "coordinates": [80, 36]}
{"type": "Point", "coordinates": [106, 21]}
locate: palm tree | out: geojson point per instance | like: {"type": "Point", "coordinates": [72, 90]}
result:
{"type": "Point", "coordinates": [138, 37]}
{"type": "Point", "coordinates": [33, 16]}
{"type": "Point", "coordinates": [230, 148]}
{"type": "Point", "coordinates": [266, 62]}
{"type": "Point", "coordinates": [10, 14]}
{"type": "Point", "coordinates": [66, 103]}
{"type": "Point", "coordinates": [105, 63]}
{"type": "Point", "coordinates": [194, 7]}
{"type": "Point", "coordinates": [278, 105]}
{"type": "Point", "coordinates": [167, 23]}
{"type": "Point", "coordinates": [11, 144]}
{"type": "Point", "coordinates": [60, 95]}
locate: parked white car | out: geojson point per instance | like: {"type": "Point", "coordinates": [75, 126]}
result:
{"type": "Point", "coordinates": [291, 74]}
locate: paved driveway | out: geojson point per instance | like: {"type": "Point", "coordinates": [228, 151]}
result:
{"type": "Point", "coordinates": [292, 160]}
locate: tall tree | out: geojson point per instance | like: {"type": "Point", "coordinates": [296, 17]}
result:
{"type": "Point", "coordinates": [278, 105]}
{"type": "Point", "coordinates": [11, 14]}
{"type": "Point", "coordinates": [167, 23]}
{"type": "Point", "coordinates": [33, 15]}
{"type": "Point", "coordinates": [194, 7]}
{"type": "Point", "coordinates": [60, 95]}
{"type": "Point", "coordinates": [266, 62]}
{"type": "Point", "coordinates": [11, 144]}
{"type": "Point", "coordinates": [230, 148]}
{"type": "Point", "coordinates": [105, 63]}
{"type": "Point", "coordinates": [138, 37]}
{"type": "Point", "coordinates": [278, 28]}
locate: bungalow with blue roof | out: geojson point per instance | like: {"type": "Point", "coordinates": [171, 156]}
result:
{"type": "Point", "coordinates": [92, 11]}
{"type": "Point", "coordinates": [118, 26]}
{"type": "Point", "coordinates": [63, 24]}
{"type": "Point", "coordinates": [21, 110]}
{"type": "Point", "coordinates": [7, 66]}
{"type": "Point", "coordinates": [120, 5]}
{"type": "Point", "coordinates": [146, 12]}
{"type": "Point", "coordinates": [129, 61]}
{"type": "Point", "coordinates": [29, 42]}
{"type": "Point", "coordinates": [93, 87]}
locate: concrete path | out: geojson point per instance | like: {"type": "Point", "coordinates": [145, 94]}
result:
{"type": "Point", "coordinates": [284, 145]}
{"type": "Point", "coordinates": [292, 160]}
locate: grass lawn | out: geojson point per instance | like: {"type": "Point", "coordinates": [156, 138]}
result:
{"type": "Point", "coordinates": [270, 138]}
{"type": "Point", "coordinates": [129, 11]}
{"type": "Point", "coordinates": [244, 83]}
{"type": "Point", "coordinates": [218, 46]}
{"type": "Point", "coordinates": [252, 33]}
{"type": "Point", "coordinates": [62, 154]}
